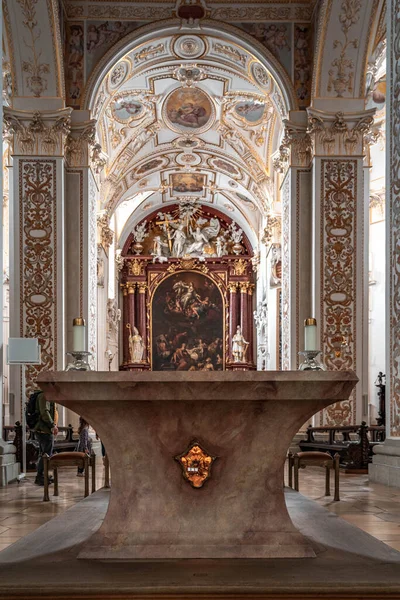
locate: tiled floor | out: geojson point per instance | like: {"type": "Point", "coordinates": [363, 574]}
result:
{"type": "Point", "coordinates": [22, 509]}
{"type": "Point", "coordinates": [370, 506]}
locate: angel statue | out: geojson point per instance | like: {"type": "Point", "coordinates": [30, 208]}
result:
{"type": "Point", "coordinates": [157, 251]}
{"type": "Point", "coordinates": [179, 237]}
{"type": "Point", "coordinates": [239, 346]}
{"type": "Point", "coordinates": [136, 345]}
{"type": "Point", "coordinates": [203, 236]}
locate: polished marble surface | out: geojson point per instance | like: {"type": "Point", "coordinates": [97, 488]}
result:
{"type": "Point", "coordinates": [245, 419]}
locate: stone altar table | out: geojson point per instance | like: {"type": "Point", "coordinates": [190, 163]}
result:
{"type": "Point", "coordinates": [245, 420]}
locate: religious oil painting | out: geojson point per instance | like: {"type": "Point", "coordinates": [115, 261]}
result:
{"type": "Point", "coordinates": [187, 324]}
{"type": "Point", "coordinates": [222, 165]}
{"type": "Point", "coordinates": [127, 108]}
{"type": "Point", "coordinates": [188, 183]}
{"type": "Point", "coordinates": [250, 111]}
{"type": "Point", "coordinates": [188, 109]}
{"type": "Point", "coordinates": [150, 165]}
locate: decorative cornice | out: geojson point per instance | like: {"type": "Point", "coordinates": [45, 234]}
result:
{"type": "Point", "coordinates": [339, 134]}
{"type": "Point", "coordinates": [37, 133]}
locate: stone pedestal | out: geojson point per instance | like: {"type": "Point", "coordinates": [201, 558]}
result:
{"type": "Point", "coordinates": [245, 421]}
{"type": "Point", "coordinates": [9, 467]}
{"type": "Point", "coordinates": [385, 467]}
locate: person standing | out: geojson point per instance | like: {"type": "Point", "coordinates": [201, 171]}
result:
{"type": "Point", "coordinates": [85, 443]}
{"type": "Point", "coordinates": [45, 430]}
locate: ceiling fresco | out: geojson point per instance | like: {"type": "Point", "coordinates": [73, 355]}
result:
{"type": "Point", "coordinates": [188, 117]}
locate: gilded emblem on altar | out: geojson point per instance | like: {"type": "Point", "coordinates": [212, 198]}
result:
{"type": "Point", "coordinates": [196, 464]}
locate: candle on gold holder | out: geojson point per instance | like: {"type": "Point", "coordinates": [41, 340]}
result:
{"type": "Point", "coordinates": [79, 335]}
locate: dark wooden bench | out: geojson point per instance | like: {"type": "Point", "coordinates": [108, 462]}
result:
{"type": "Point", "coordinates": [353, 443]}
{"type": "Point", "coordinates": [66, 442]}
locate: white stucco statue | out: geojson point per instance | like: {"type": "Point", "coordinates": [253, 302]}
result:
{"type": "Point", "coordinates": [136, 345]}
{"type": "Point", "coordinates": [239, 346]}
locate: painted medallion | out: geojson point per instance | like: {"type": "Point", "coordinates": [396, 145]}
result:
{"type": "Point", "coordinates": [188, 109]}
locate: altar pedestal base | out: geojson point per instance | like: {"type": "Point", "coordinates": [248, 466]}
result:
{"type": "Point", "coordinates": [246, 421]}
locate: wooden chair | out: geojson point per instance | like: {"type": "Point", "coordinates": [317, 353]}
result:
{"type": "Point", "coordinates": [68, 459]}
{"type": "Point", "coordinates": [321, 459]}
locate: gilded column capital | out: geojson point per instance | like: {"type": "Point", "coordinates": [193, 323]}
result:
{"type": "Point", "coordinates": [232, 287]}
{"type": "Point", "coordinates": [82, 148]}
{"type": "Point", "coordinates": [124, 288]}
{"type": "Point", "coordinates": [296, 146]}
{"type": "Point", "coordinates": [244, 287]}
{"type": "Point", "coordinates": [37, 133]}
{"type": "Point", "coordinates": [131, 288]}
{"type": "Point", "coordinates": [339, 134]}
{"type": "Point", "coordinates": [142, 288]}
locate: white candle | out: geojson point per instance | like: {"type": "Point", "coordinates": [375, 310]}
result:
{"type": "Point", "coordinates": [79, 335]}
{"type": "Point", "coordinates": [310, 334]}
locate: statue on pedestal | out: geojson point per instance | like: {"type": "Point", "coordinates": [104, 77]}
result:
{"type": "Point", "coordinates": [136, 345]}
{"type": "Point", "coordinates": [239, 346]}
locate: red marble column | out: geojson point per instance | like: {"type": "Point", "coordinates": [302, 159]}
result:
{"type": "Point", "coordinates": [131, 303]}
{"type": "Point", "coordinates": [233, 315]}
{"type": "Point", "coordinates": [244, 314]}
{"type": "Point", "coordinates": [125, 321]}
{"type": "Point", "coordinates": [142, 317]}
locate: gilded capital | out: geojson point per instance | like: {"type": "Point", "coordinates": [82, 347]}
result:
{"type": "Point", "coordinates": [142, 288]}
{"type": "Point", "coordinates": [296, 141]}
{"type": "Point", "coordinates": [232, 287]}
{"type": "Point", "coordinates": [37, 133]}
{"type": "Point", "coordinates": [339, 134]}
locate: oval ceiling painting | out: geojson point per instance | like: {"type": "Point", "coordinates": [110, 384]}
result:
{"type": "Point", "coordinates": [127, 108]}
{"type": "Point", "coordinates": [249, 203]}
{"type": "Point", "coordinates": [223, 165]}
{"type": "Point", "coordinates": [188, 109]}
{"type": "Point", "coordinates": [150, 165]}
{"type": "Point", "coordinates": [251, 111]}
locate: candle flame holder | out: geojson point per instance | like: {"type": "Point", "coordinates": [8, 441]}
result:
{"type": "Point", "coordinates": [78, 361]}
{"type": "Point", "coordinates": [310, 361]}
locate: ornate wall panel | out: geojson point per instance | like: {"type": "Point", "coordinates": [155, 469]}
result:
{"type": "Point", "coordinates": [38, 260]}
{"type": "Point", "coordinates": [92, 274]}
{"type": "Point", "coordinates": [393, 221]}
{"type": "Point", "coordinates": [285, 304]}
{"type": "Point", "coordinates": [338, 281]}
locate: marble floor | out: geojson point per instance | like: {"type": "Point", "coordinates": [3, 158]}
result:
{"type": "Point", "coordinates": [372, 507]}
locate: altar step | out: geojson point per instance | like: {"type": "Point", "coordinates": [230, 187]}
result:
{"type": "Point", "coordinates": [350, 564]}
